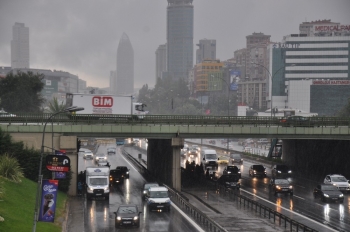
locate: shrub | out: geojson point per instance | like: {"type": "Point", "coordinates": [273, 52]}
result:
{"type": "Point", "coordinates": [10, 168]}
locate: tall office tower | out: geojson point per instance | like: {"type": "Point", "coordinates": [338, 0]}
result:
{"type": "Point", "coordinates": [206, 50]}
{"type": "Point", "coordinates": [179, 38]}
{"type": "Point", "coordinates": [125, 67]}
{"type": "Point", "coordinates": [160, 61]}
{"type": "Point", "coordinates": [113, 82]}
{"type": "Point", "coordinates": [20, 46]}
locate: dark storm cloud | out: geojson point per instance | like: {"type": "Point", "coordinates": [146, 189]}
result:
{"type": "Point", "coordinates": [82, 36]}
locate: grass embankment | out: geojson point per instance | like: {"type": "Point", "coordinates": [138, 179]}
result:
{"type": "Point", "coordinates": [17, 208]}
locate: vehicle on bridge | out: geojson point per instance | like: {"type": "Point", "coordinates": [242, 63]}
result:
{"type": "Point", "coordinates": [127, 216]}
{"type": "Point", "coordinates": [97, 182]}
{"type": "Point", "coordinates": [104, 105]}
{"type": "Point", "coordinates": [298, 121]}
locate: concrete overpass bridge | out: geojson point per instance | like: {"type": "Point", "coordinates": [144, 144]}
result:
{"type": "Point", "coordinates": [166, 133]}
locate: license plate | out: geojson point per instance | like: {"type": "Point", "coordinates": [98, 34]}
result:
{"type": "Point", "coordinates": [159, 206]}
{"type": "Point", "coordinates": [284, 189]}
{"type": "Point", "coordinates": [334, 198]}
{"type": "Point", "coordinates": [127, 222]}
{"type": "Point", "coordinates": [98, 194]}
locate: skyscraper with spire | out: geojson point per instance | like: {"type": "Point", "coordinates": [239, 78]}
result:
{"type": "Point", "coordinates": [179, 38]}
{"type": "Point", "coordinates": [125, 67]}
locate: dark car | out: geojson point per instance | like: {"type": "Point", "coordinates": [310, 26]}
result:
{"type": "Point", "coordinates": [146, 186]}
{"type": "Point", "coordinates": [328, 192]}
{"type": "Point", "coordinates": [296, 120]}
{"type": "Point", "coordinates": [257, 170]}
{"type": "Point", "coordinates": [116, 176]}
{"type": "Point", "coordinates": [280, 170]}
{"type": "Point", "coordinates": [232, 170]}
{"type": "Point", "coordinates": [125, 170]}
{"type": "Point", "coordinates": [127, 215]}
{"type": "Point", "coordinates": [281, 186]}
{"type": "Point", "coordinates": [236, 158]}
{"type": "Point", "coordinates": [229, 182]}
{"type": "Point", "coordinates": [193, 152]}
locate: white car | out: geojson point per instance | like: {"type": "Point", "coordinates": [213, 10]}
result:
{"type": "Point", "coordinates": [88, 154]}
{"type": "Point", "coordinates": [101, 159]}
{"type": "Point", "coordinates": [111, 150]}
{"type": "Point", "coordinates": [339, 181]}
{"type": "Point", "coordinates": [3, 113]}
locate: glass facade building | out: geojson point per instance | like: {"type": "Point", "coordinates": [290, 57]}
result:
{"type": "Point", "coordinates": [179, 38]}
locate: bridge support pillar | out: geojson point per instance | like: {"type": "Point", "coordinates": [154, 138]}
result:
{"type": "Point", "coordinates": [177, 144]}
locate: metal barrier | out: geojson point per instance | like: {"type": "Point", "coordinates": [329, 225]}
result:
{"type": "Point", "coordinates": [289, 223]}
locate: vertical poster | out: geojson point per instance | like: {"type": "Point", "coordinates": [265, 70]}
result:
{"type": "Point", "coordinates": [48, 200]}
{"type": "Point", "coordinates": [59, 175]}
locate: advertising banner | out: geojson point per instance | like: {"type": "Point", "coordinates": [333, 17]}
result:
{"type": "Point", "coordinates": [58, 163]}
{"type": "Point", "coordinates": [234, 78]}
{"type": "Point", "coordinates": [48, 200]}
{"type": "Point", "coordinates": [60, 175]}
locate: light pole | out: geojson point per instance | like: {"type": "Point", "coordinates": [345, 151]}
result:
{"type": "Point", "coordinates": [272, 76]}
{"type": "Point", "coordinates": [69, 109]}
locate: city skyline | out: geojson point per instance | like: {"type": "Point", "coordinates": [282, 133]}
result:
{"type": "Point", "coordinates": [82, 37]}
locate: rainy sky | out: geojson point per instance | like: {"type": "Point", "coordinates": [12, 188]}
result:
{"type": "Point", "coordinates": [82, 36]}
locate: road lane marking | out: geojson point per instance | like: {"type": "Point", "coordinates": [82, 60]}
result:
{"type": "Point", "coordinates": [298, 197]}
{"type": "Point", "coordinates": [300, 215]}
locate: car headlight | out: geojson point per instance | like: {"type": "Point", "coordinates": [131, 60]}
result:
{"type": "Point", "coordinates": [107, 188]}
{"type": "Point", "coordinates": [136, 218]}
{"type": "Point", "coordinates": [144, 191]}
{"type": "Point", "coordinates": [341, 195]}
{"type": "Point", "coordinates": [279, 171]}
{"type": "Point", "coordinates": [290, 187]}
{"type": "Point", "coordinates": [326, 195]}
{"type": "Point", "coordinates": [278, 187]}
{"type": "Point", "coordinates": [335, 184]}
{"type": "Point", "coordinates": [119, 218]}
{"type": "Point", "coordinates": [127, 172]}
{"type": "Point", "coordinates": [289, 171]}
{"type": "Point", "coordinates": [228, 172]}
{"type": "Point", "coordinates": [91, 189]}
{"type": "Point", "coordinates": [254, 171]}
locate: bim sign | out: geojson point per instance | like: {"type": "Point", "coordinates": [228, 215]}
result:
{"type": "Point", "coordinates": [102, 101]}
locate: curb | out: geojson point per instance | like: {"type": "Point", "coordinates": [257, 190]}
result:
{"type": "Point", "coordinates": [65, 222]}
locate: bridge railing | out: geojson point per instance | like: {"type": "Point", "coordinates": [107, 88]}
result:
{"type": "Point", "coordinates": [26, 118]}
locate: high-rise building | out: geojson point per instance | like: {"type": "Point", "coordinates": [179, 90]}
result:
{"type": "Point", "coordinates": [125, 67]}
{"type": "Point", "coordinates": [20, 46]}
{"type": "Point", "coordinates": [113, 82]}
{"type": "Point", "coordinates": [160, 61]}
{"type": "Point", "coordinates": [206, 50]}
{"type": "Point", "coordinates": [179, 38]}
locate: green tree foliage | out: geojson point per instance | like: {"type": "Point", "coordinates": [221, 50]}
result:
{"type": "Point", "coordinates": [10, 168]}
{"type": "Point", "coordinates": [29, 160]}
{"type": "Point", "coordinates": [55, 106]}
{"type": "Point", "coordinates": [21, 92]}
{"type": "Point", "coordinates": [345, 111]}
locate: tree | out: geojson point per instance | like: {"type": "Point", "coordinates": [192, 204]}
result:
{"type": "Point", "coordinates": [55, 106]}
{"type": "Point", "coordinates": [21, 92]}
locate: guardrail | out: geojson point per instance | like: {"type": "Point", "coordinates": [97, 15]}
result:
{"type": "Point", "coordinates": [195, 213]}
{"type": "Point", "coordinates": [26, 118]}
{"type": "Point", "coordinates": [289, 223]}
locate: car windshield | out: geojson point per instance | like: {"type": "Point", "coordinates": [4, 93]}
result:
{"type": "Point", "coordinates": [258, 168]}
{"type": "Point", "coordinates": [122, 168]}
{"type": "Point", "coordinates": [281, 181]}
{"type": "Point", "coordinates": [158, 194]}
{"type": "Point", "coordinates": [98, 181]}
{"type": "Point", "coordinates": [329, 187]}
{"type": "Point", "coordinates": [147, 186]}
{"type": "Point", "coordinates": [211, 156]}
{"type": "Point", "coordinates": [232, 169]}
{"type": "Point", "coordinates": [111, 172]}
{"type": "Point", "coordinates": [339, 179]}
{"type": "Point", "coordinates": [127, 209]}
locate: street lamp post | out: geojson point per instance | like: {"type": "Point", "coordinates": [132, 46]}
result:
{"type": "Point", "coordinates": [69, 109]}
{"type": "Point", "coordinates": [272, 76]}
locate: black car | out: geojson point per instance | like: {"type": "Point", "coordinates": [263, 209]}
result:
{"type": "Point", "coordinates": [116, 176]}
{"type": "Point", "coordinates": [232, 170]}
{"type": "Point", "coordinates": [127, 215]}
{"type": "Point", "coordinates": [125, 170]}
{"type": "Point", "coordinates": [296, 120]}
{"type": "Point", "coordinates": [328, 192]}
{"type": "Point", "coordinates": [280, 170]}
{"type": "Point", "coordinates": [281, 186]}
{"type": "Point", "coordinates": [146, 186]}
{"type": "Point", "coordinates": [229, 181]}
{"type": "Point", "coordinates": [257, 170]}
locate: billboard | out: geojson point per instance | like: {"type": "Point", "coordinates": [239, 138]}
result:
{"type": "Point", "coordinates": [48, 200]}
{"type": "Point", "coordinates": [235, 76]}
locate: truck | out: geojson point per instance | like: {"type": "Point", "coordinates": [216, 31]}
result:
{"type": "Point", "coordinates": [105, 104]}
{"type": "Point", "coordinates": [97, 182]}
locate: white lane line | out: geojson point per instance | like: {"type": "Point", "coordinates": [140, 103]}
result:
{"type": "Point", "coordinates": [299, 186]}
{"type": "Point", "coordinates": [328, 228]}
{"type": "Point", "coordinates": [298, 197]}
{"type": "Point", "coordinates": [188, 218]}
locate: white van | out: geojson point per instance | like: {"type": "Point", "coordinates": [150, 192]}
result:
{"type": "Point", "coordinates": [209, 158]}
{"type": "Point", "coordinates": [158, 199]}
